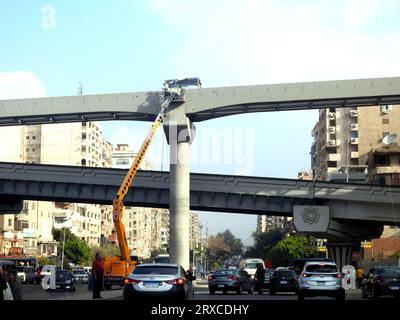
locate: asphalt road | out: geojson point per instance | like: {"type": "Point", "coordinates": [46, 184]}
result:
{"type": "Point", "coordinates": [35, 292]}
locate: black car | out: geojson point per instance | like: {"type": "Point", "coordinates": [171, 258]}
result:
{"type": "Point", "coordinates": [159, 280]}
{"type": "Point", "coordinates": [382, 280]}
{"type": "Point", "coordinates": [65, 280]}
{"type": "Point", "coordinates": [283, 281]}
{"type": "Point", "coordinates": [230, 280]}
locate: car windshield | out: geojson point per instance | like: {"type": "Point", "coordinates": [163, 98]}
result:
{"type": "Point", "coordinates": [79, 272]}
{"type": "Point", "coordinates": [391, 272]}
{"type": "Point", "coordinates": [251, 265]}
{"type": "Point", "coordinates": [322, 268]}
{"type": "Point", "coordinates": [63, 274]}
{"type": "Point", "coordinates": [155, 270]}
{"type": "Point", "coordinates": [269, 272]}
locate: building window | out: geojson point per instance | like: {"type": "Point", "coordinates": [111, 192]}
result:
{"type": "Point", "coordinates": [9, 222]}
{"type": "Point", "coordinates": [33, 150]}
{"type": "Point", "coordinates": [34, 137]}
{"type": "Point", "coordinates": [385, 121]}
{"type": "Point", "coordinates": [27, 137]}
{"type": "Point", "coordinates": [122, 161]}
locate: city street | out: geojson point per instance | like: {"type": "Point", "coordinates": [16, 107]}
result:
{"type": "Point", "coordinates": [35, 292]}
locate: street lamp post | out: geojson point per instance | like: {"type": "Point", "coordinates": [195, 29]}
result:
{"type": "Point", "coordinates": [62, 256]}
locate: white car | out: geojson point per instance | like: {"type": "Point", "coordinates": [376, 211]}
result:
{"type": "Point", "coordinates": [80, 275]}
{"type": "Point", "coordinates": [320, 279]}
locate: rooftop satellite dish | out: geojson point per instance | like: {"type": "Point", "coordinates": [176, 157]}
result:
{"type": "Point", "coordinates": [389, 139]}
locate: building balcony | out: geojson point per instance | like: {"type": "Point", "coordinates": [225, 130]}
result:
{"type": "Point", "coordinates": [332, 115]}
{"type": "Point", "coordinates": [354, 154]}
{"type": "Point", "coordinates": [332, 129]}
{"type": "Point", "coordinates": [353, 113]}
{"type": "Point", "coordinates": [387, 169]}
{"type": "Point", "coordinates": [333, 156]}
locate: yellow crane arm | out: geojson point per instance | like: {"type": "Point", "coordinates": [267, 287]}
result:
{"type": "Point", "coordinates": [118, 201]}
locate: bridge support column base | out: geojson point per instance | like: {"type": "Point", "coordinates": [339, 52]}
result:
{"type": "Point", "coordinates": [341, 253]}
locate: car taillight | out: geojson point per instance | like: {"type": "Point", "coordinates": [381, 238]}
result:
{"type": "Point", "coordinates": [178, 281]}
{"type": "Point", "coordinates": [232, 278]}
{"type": "Point", "coordinates": [338, 275]}
{"type": "Point", "coordinates": [210, 278]}
{"type": "Point", "coordinates": [134, 281]}
{"type": "Point", "coordinates": [306, 275]}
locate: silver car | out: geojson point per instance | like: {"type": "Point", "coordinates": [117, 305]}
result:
{"type": "Point", "coordinates": [158, 280]}
{"type": "Point", "coordinates": [320, 279]}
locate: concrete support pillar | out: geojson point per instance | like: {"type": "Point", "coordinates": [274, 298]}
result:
{"type": "Point", "coordinates": [179, 195]}
{"type": "Point", "coordinates": [340, 253]}
{"type": "Point", "coordinates": [180, 133]}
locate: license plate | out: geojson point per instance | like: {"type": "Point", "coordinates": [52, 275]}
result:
{"type": "Point", "coordinates": [321, 283]}
{"type": "Point", "coordinates": [283, 282]}
{"type": "Point", "coordinates": [394, 288]}
{"type": "Point", "coordinates": [151, 284]}
{"type": "Point", "coordinates": [221, 285]}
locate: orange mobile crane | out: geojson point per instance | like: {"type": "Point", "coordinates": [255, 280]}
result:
{"type": "Point", "coordinates": [117, 268]}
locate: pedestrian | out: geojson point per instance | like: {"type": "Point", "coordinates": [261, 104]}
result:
{"type": "Point", "coordinates": [259, 277]}
{"type": "Point", "coordinates": [3, 284]}
{"type": "Point", "coordinates": [15, 285]}
{"type": "Point", "coordinates": [360, 274]}
{"type": "Point", "coordinates": [98, 276]}
{"type": "Point", "coordinates": [5, 290]}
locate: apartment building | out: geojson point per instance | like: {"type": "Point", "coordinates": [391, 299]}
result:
{"type": "Point", "coordinates": [32, 226]}
{"type": "Point", "coordinates": [345, 137]}
{"type": "Point", "coordinates": [268, 223]}
{"type": "Point", "coordinates": [349, 145]}
{"type": "Point", "coordinates": [194, 231]}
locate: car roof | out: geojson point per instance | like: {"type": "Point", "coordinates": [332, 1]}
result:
{"type": "Point", "coordinates": [308, 263]}
{"type": "Point", "coordinates": [158, 265]}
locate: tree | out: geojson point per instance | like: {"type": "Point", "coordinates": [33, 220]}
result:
{"type": "Point", "coordinates": [292, 247]}
{"type": "Point", "coordinates": [105, 250]}
{"type": "Point", "coordinates": [223, 246]}
{"type": "Point", "coordinates": [263, 241]}
{"type": "Point", "coordinates": [75, 250]}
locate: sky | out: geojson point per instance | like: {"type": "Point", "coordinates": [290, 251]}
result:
{"type": "Point", "coordinates": [48, 47]}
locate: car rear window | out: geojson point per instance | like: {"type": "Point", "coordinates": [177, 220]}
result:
{"type": "Point", "coordinates": [155, 270]}
{"type": "Point", "coordinates": [251, 265]}
{"type": "Point", "coordinates": [225, 273]}
{"type": "Point", "coordinates": [391, 272]}
{"type": "Point", "coordinates": [284, 273]}
{"type": "Point", "coordinates": [269, 272]}
{"type": "Point", "coordinates": [20, 269]}
{"type": "Point", "coordinates": [322, 268]}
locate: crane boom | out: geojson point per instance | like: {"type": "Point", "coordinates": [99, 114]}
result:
{"type": "Point", "coordinates": [118, 201]}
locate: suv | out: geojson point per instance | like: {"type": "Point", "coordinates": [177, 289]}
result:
{"type": "Point", "coordinates": [298, 264]}
{"type": "Point", "coordinates": [382, 280]}
{"type": "Point", "coordinates": [321, 279]}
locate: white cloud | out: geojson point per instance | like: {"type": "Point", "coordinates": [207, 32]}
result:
{"type": "Point", "coordinates": [20, 84]}
{"type": "Point", "coordinates": [246, 42]}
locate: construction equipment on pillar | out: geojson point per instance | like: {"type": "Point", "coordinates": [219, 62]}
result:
{"type": "Point", "coordinates": [117, 268]}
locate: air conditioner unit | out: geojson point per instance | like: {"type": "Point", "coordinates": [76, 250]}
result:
{"type": "Point", "coordinates": [353, 113]}
{"type": "Point", "coordinates": [331, 142]}
{"type": "Point", "coordinates": [386, 108]}
{"type": "Point", "coordinates": [353, 125]}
